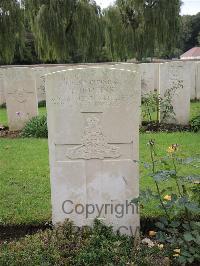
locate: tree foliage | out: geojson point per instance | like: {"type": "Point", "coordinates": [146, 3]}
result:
{"type": "Point", "coordinates": [155, 23]}
{"type": "Point", "coordinates": [88, 32]}
{"type": "Point", "coordinates": [51, 23]}
{"type": "Point", "coordinates": [62, 26]}
{"type": "Point", "coordinates": [79, 31]}
{"type": "Point", "coordinates": [118, 37]}
{"type": "Point", "coordinates": [11, 30]}
{"type": "Point", "coordinates": [190, 32]}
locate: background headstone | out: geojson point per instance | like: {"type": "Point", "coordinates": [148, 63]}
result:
{"type": "Point", "coordinates": [93, 124]}
{"type": "Point", "coordinates": [132, 67]}
{"type": "Point", "coordinates": [2, 93]}
{"type": "Point", "coordinates": [149, 76]}
{"type": "Point", "coordinates": [198, 81]}
{"type": "Point", "coordinates": [174, 79]}
{"type": "Point", "coordinates": [39, 73]}
{"type": "Point", "coordinates": [191, 75]}
{"type": "Point", "coordinates": [21, 97]}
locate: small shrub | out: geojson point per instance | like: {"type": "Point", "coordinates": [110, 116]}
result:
{"type": "Point", "coordinates": [195, 124]}
{"type": "Point", "coordinates": [36, 128]}
{"type": "Point", "coordinates": [86, 246]}
{"type": "Point", "coordinates": [150, 102]}
{"type": "Point", "coordinates": [179, 227]}
{"type": "Point", "coordinates": [42, 104]}
{"type": "Point", "coordinates": [3, 105]}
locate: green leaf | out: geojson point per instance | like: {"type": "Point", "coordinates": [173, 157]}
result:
{"type": "Point", "coordinates": [175, 224]}
{"type": "Point", "coordinates": [193, 207]}
{"type": "Point", "coordinates": [163, 175]}
{"type": "Point", "coordinates": [161, 237]}
{"type": "Point", "coordinates": [164, 220]}
{"type": "Point", "coordinates": [188, 237]}
{"type": "Point", "coordinates": [160, 225]}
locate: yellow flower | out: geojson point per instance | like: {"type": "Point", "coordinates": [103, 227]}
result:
{"type": "Point", "coordinates": [173, 148]}
{"type": "Point", "coordinates": [170, 149]}
{"type": "Point", "coordinates": [168, 197]}
{"type": "Point", "coordinates": [176, 255]}
{"type": "Point", "coordinates": [177, 250]}
{"type": "Point", "coordinates": [152, 233]}
{"type": "Point", "coordinates": [160, 246]}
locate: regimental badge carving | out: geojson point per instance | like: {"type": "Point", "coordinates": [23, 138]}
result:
{"type": "Point", "coordinates": [94, 144]}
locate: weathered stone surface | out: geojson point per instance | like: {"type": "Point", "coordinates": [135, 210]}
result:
{"type": "Point", "coordinates": [2, 93]}
{"type": "Point", "coordinates": [198, 80]}
{"type": "Point", "coordinates": [191, 74]}
{"type": "Point", "coordinates": [93, 123]}
{"type": "Point", "coordinates": [132, 67]}
{"type": "Point", "coordinates": [149, 76]}
{"type": "Point", "coordinates": [39, 73]}
{"type": "Point", "coordinates": [174, 81]}
{"type": "Point", "coordinates": [21, 97]}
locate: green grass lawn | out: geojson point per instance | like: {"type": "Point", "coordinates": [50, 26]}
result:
{"type": "Point", "coordinates": [24, 175]}
{"type": "Point", "coordinates": [3, 115]}
{"type": "Point", "coordinates": [195, 109]}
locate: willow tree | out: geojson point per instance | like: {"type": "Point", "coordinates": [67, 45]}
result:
{"type": "Point", "coordinates": [51, 23]}
{"type": "Point", "coordinates": [154, 23]}
{"type": "Point", "coordinates": [117, 36]}
{"type": "Point", "coordinates": [88, 30]}
{"type": "Point", "coordinates": [63, 28]}
{"type": "Point", "coordinates": [11, 30]}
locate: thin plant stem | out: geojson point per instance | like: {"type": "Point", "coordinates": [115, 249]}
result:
{"type": "Point", "coordinates": [157, 186]}
{"type": "Point", "coordinates": [177, 183]}
{"type": "Point", "coordinates": [179, 190]}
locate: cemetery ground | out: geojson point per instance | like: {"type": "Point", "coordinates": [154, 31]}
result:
{"type": "Point", "coordinates": [25, 188]}
{"type": "Point", "coordinates": [25, 204]}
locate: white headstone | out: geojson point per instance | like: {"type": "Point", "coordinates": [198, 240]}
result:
{"type": "Point", "coordinates": [21, 97]}
{"type": "Point", "coordinates": [93, 124]}
{"type": "Point", "coordinates": [2, 93]}
{"type": "Point", "coordinates": [40, 78]}
{"type": "Point", "coordinates": [174, 79]}
{"type": "Point", "coordinates": [132, 67]}
{"type": "Point", "coordinates": [40, 82]}
{"type": "Point", "coordinates": [149, 76]}
{"type": "Point", "coordinates": [191, 75]}
{"type": "Point", "coordinates": [198, 81]}
{"type": "Point", "coordinates": [39, 73]}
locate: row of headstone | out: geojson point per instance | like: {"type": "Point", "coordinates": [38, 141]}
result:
{"type": "Point", "coordinates": [93, 125]}
{"type": "Point", "coordinates": [175, 82]}
{"type": "Point", "coordinates": [149, 74]}
{"type": "Point", "coordinates": [181, 78]}
{"type": "Point", "coordinates": [151, 77]}
{"type": "Point", "coordinates": [22, 88]}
